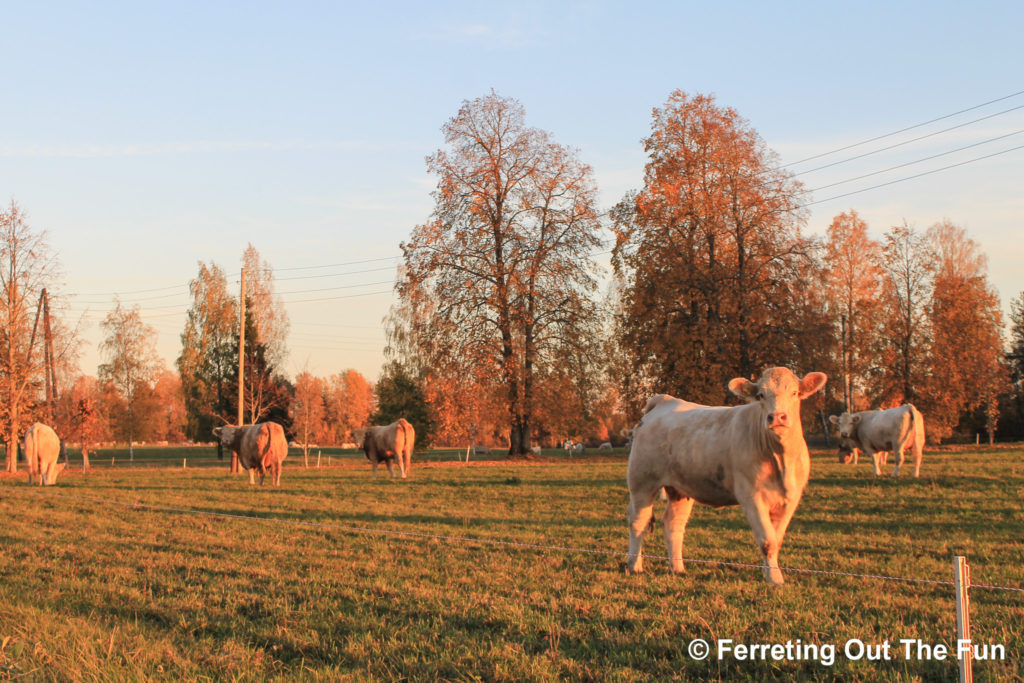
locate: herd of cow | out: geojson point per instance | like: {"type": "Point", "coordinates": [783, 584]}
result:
{"type": "Point", "coordinates": [752, 455]}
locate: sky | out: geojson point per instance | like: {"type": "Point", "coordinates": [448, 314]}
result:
{"type": "Point", "coordinates": [144, 138]}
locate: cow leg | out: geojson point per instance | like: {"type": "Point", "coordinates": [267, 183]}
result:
{"type": "Point", "coordinates": [408, 461]}
{"type": "Point", "coordinates": [401, 463]}
{"type": "Point", "coordinates": [391, 466]}
{"type": "Point", "coordinates": [252, 480]}
{"type": "Point", "coordinates": [639, 513]}
{"type": "Point", "coordinates": [918, 449]}
{"type": "Point", "coordinates": [764, 538]}
{"type": "Point", "coordinates": [876, 460]}
{"type": "Point", "coordinates": [677, 513]}
{"type": "Point", "coordinates": [898, 457]}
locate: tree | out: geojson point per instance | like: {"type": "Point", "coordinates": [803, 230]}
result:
{"type": "Point", "coordinates": [88, 422]}
{"type": "Point", "coordinates": [399, 395]}
{"type": "Point", "coordinates": [504, 261]}
{"type": "Point", "coordinates": [1012, 417]}
{"type": "Point", "coordinates": [350, 402]}
{"type": "Point", "coordinates": [209, 354]}
{"type": "Point", "coordinates": [266, 393]}
{"type": "Point", "coordinates": [706, 255]}
{"type": "Point", "coordinates": [965, 359]}
{"type": "Point", "coordinates": [307, 410]}
{"type": "Point", "coordinates": [27, 267]}
{"type": "Point", "coordinates": [852, 286]}
{"type": "Point", "coordinates": [907, 267]}
{"type": "Point", "coordinates": [169, 420]}
{"type": "Point", "coordinates": [129, 347]}
{"type": "Point", "coordinates": [269, 333]}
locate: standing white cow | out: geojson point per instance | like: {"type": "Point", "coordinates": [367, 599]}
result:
{"type": "Point", "coordinates": [42, 448]}
{"type": "Point", "coordinates": [260, 447]}
{"type": "Point", "coordinates": [753, 456]}
{"type": "Point", "coordinates": [879, 432]}
{"type": "Point", "coordinates": [388, 443]}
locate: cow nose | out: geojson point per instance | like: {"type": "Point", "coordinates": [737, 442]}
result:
{"type": "Point", "coordinates": [778, 419]}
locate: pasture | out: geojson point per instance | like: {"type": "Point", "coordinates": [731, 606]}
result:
{"type": "Point", "coordinates": [149, 573]}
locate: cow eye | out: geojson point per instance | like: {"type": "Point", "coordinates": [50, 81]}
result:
{"type": "Point", "coordinates": [760, 396]}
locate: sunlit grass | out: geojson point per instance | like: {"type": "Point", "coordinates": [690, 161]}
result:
{"type": "Point", "coordinates": [163, 574]}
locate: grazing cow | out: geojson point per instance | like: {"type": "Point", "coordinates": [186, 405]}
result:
{"type": "Point", "coordinates": [389, 443]}
{"type": "Point", "coordinates": [261, 447]}
{"type": "Point", "coordinates": [879, 432]}
{"type": "Point", "coordinates": [42, 447]}
{"type": "Point", "coordinates": [606, 446]}
{"type": "Point", "coordinates": [752, 455]}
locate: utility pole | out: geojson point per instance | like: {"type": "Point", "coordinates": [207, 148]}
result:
{"type": "Point", "coordinates": [50, 372]}
{"type": "Point", "coordinates": [846, 370]}
{"type": "Point", "coordinates": [241, 368]}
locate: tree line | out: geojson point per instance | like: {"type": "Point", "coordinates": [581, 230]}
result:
{"type": "Point", "coordinates": [507, 332]}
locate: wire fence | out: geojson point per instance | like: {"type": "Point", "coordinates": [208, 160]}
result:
{"type": "Point", "coordinates": [350, 528]}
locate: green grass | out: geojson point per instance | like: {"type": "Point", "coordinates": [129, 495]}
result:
{"type": "Point", "coordinates": [108, 577]}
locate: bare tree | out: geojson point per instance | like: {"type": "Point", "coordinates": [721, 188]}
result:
{"type": "Point", "coordinates": [27, 267]}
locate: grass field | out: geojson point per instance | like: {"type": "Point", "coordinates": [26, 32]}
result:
{"type": "Point", "coordinates": [189, 574]}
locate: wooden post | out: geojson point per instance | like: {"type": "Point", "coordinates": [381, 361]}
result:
{"type": "Point", "coordinates": [961, 584]}
{"type": "Point", "coordinates": [847, 398]}
{"type": "Point", "coordinates": [241, 368]}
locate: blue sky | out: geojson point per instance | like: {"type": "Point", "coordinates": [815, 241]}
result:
{"type": "Point", "coordinates": [145, 137]}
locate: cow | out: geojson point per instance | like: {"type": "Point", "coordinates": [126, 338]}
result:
{"type": "Point", "coordinates": [752, 455]}
{"type": "Point", "coordinates": [42, 446]}
{"type": "Point", "coordinates": [606, 446]}
{"type": "Point", "coordinates": [879, 432]}
{"type": "Point", "coordinates": [259, 447]}
{"type": "Point", "coordinates": [389, 443]}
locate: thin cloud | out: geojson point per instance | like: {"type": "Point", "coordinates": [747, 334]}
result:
{"type": "Point", "coordinates": [97, 151]}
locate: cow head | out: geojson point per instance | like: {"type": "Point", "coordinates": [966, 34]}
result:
{"type": "Point", "coordinates": [847, 435]}
{"type": "Point", "coordinates": [778, 394]}
{"type": "Point", "coordinates": [227, 435]}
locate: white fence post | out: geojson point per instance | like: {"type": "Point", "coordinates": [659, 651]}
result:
{"type": "Point", "coordinates": [962, 583]}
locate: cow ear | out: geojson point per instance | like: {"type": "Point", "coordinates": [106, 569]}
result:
{"type": "Point", "coordinates": [834, 419]}
{"type": "Point", "coordinates": [217, 431]}
{"type": "Point", "coordinates": [743, 388]}
{"type": "Point", "coordinates": [812, 383]}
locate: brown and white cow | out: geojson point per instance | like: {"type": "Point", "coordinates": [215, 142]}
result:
{"type": "Point", "coordinates": [389, 443]}
{"type": "Point", "coordinates": [42, 448]}
{"type": "Point", "coordinates": [752, 455]}
{"type": "Point", "coordinates": [260, 447]}
{"type": "Point", "coordinates": [879, 432]}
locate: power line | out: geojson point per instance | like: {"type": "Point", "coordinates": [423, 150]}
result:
{"type": "Point", "coordinates": [918, 175]}
{"type": "Point", "coordinates": [903, 130]}
{"type": "Point", "coordinates": [918, 161]}
{"type": "Point", "coordinates": [905, 142]}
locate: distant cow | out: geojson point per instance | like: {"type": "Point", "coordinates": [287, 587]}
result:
{"type": "Point", "coordinates": [753, 456]}
{"type": "Point", "coordinates": [389, 443]}
{"type": "Point", "coordinates": [606, 446]}
{"type": "Point", "coordinates": [42, 446]}
{"type": "Point", "coordinates": [261, 447]}
{"type": "Point", "coordinates": [879, 432]}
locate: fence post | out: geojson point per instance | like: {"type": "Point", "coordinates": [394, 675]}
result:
{"type": "Point", "coordinates": [961, 584]}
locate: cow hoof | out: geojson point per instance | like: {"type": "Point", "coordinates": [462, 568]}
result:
{"type": "Point", "coordinates": [774, 576]}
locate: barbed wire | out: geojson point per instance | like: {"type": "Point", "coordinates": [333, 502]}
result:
{"type": "Point", "coordinates": [499, 542]}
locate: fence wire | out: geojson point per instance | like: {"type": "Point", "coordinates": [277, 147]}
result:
{"type": "Point", "coordinates": [335, 526]}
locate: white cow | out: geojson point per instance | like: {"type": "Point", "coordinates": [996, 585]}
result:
{"type": "Point", "coordinates": [752, 455]}
{"type": "Point", "coordinates": [879, 432]}
{"type": "Point", "coordinates": [42, 448]}
{"type": "Point", "coordinates": [261, 448]}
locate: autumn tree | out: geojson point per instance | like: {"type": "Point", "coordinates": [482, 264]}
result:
{"type": "Point", "coordinates": [903, 331]}
{"type": "Point", "coordinates": [209, 354]}
{"type": "Point", "coordinates": [350, 402]}
{"type": "Point", "coordinates": [852, 279]}
{"type": "Point", "coordinates": [132, 365]}
{"type": "Point", "coordinates": [27, 267]}
{"type": "Point", "coordinates": [266, 393]}
{"type": "Point", "coordinates": [169, 415]}
{"type": "Point", "coordinates": [504, 259]}
{"type": "Point", "coordinates": [87, 419]}
{"type": "Point", "coordinates": [965, 368]}
{"type": "Point", "coordinates": [709, 256]}
{"type": "Point", "coordinates": [307, 410]}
